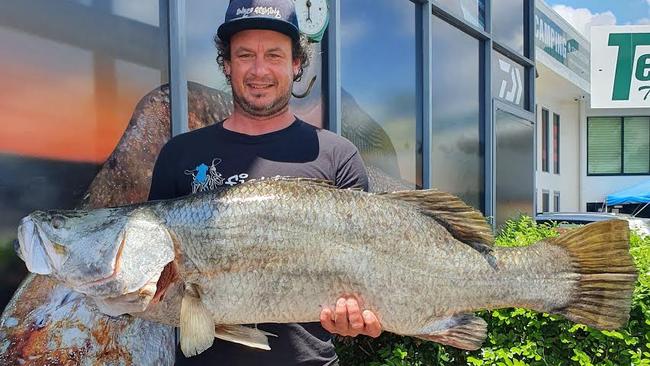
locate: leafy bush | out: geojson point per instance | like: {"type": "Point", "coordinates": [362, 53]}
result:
{"type": "Point", "coordinates": [523, 337]}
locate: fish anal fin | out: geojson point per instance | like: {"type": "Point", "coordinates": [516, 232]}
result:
{"type": "Point", "coordinates": [196, 325]}
{"type": "Point", "coordinates": [464, 331]}
{"type": "Point", "coordinates": [464, 222]}
{"type": "Point", "coordinates": [251, 337]}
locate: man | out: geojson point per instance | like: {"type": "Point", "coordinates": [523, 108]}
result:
{"type": "Point", "coordinates": [261, 54]}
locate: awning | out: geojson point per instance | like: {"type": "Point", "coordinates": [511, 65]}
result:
{"type": "Point", "coordinates": [639, 193]}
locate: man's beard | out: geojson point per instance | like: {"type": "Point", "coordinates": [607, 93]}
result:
{"type": "Point", "coordinates": [276, 107]}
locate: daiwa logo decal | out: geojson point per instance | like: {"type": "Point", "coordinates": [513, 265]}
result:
{"type": "Point", "coordinates": [515, 90]}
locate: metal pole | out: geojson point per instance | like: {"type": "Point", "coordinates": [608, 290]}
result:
{"type": "Point", "coordinates": [424, 87]}
{"type": "Point", "coordinates": [177, 78]}
{"type": "Point", "coordinates": [489, 131]}
{"type": "Point", "coordinates": [334, 67]}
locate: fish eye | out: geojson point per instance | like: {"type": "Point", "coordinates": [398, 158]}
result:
{"type": "Point", "coordinates": [58, 222]}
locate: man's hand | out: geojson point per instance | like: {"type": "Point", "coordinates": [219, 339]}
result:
{"type": "Point", "coordinates": [348, 319]}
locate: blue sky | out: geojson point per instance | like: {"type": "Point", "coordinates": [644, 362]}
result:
{"type": "Point", "coordinates": [584, 13]}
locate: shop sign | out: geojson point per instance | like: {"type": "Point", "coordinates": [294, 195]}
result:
{"type": "Point", "coordinates": [620, 71]}
{"type": "Point", "coordinates": [559, 40]}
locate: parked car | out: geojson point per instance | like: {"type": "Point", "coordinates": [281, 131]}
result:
{"type": "Point", "coordinates": [567, 219]}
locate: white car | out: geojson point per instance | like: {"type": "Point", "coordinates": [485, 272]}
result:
{"type": "Point", "coordinates": [640, 224]}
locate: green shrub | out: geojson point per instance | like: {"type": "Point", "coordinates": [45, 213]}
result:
{"type": "Point", "coordinates": [523, 337]}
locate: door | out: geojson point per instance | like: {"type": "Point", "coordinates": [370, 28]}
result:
{"type": "Point", "coordinates": [514, 163]}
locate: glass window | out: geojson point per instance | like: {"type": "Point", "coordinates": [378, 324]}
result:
{"type": "Point", "coordinates": [471, 11]}
{"type": "Point", "coordinates": [71, 82]}
{"type": "Point", "coordinates": [545, 201]}
{"type": "Point", "coordinates": [556, 143]}
{"type": "Point", "coordinates": [556, 201]}
{"type": "Point", "coordinates": [203, 19]}
{"type": "Point", "coordinates": [378, 87]}
{"type": "Point", "coordinates": [604, 145]}
{"type": "Point", "coordinates": [636, 145]}
{"type": "Point", "coordinates": [618, 145]}
{"type": "Point", "coordinates": [457, 157]}
{"type": "Point", "coordinates": [508, 80]}
{"type": "Point", "coordinates": [545, 126]}
{"type": "Point", "coordinates": [508, 23]}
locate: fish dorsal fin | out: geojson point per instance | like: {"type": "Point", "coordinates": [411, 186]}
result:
{"type": "Point", "coordinates": [325, 183]}
{"type": "Point", "coordinates": [319, 182]}
{"type": "Point", "coordinates": [465, 223]}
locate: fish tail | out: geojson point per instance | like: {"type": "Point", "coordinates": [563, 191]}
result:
{"type": "Point", "coordinates": [607, 275]}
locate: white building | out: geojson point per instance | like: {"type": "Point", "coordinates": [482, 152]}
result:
{"type": "Point", "coordinates": [583, 153]}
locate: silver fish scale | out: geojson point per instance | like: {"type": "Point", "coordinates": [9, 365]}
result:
{"type": "Point", "coordinates": [276, 251]}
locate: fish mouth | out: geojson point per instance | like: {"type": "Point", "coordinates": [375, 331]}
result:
{"type": "Point", "coordinates": [41, 256]}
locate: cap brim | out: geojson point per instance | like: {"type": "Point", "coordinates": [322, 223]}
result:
{"type": "Point", "coordinates": [226, 30]}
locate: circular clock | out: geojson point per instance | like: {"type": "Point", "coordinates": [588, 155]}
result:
{"type": "Point", "coordinates": [313, 16]}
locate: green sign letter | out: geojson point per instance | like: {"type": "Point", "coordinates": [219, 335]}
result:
{"type": "Point", "coordinates": [642, 68]}
{"type": "Point", "coordinates": [627, 43]}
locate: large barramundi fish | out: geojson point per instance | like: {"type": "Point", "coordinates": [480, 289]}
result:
{"type": "Point", "coordinates": [278, 250]}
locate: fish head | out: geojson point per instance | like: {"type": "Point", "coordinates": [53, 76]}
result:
{"type": "Point", "coordinates": [102, 253]}
{"type": "Point", "coordinates": [75, 246]}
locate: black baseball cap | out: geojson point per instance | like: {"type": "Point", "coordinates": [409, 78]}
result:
{"type": "Point", "coordinates": [276, 15]}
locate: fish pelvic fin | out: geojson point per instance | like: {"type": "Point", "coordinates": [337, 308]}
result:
{"type": "Point", "coordinates": [601, 256]}
{"type": "Point", "coordinates": [464, 331]}
{"type": "Point", "coordinates": [464, 222]}
{"type": "Point", "coordinates": [196, 324]}
{"type": "Point", "coordinates": [251, 337]}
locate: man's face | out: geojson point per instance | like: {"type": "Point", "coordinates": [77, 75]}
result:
{"type": "Point", "coordinates": [261, 70]}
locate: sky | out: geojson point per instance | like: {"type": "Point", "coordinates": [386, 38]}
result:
{"type": "Point", "coordinates": [582, 14]}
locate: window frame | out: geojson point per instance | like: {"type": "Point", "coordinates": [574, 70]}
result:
{"type": "Point", "coordinates": [545, 140]}
{"type": "Point", "coordinates": [621, 120]}
{"type": "Point", "coordinates": [556, 143]}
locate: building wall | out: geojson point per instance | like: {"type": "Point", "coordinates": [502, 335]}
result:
{"type": "Point", "coordinates": [567, 182]}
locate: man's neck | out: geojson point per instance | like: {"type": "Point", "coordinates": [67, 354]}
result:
{"type": "Point", "coordinates": [243, 123]}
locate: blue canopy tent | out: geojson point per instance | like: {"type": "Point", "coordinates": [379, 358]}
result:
{"type": "Point", "coordinates": [637, 194]}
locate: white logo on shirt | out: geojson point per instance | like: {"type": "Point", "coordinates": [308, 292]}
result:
{"type": "Point", "coordinates": [207, 178]}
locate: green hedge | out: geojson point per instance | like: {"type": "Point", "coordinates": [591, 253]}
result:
{"type": "Point", "coordinates": [522, 337]}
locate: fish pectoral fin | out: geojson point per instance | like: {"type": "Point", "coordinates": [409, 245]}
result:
{"type": "Point", "coordinates": [251, 337]}
{"type": "Point", "coordinates": [462, 221]}
{"type": "Point", "coordinates": [464, 331]}
{"type": "Point", "coordinates": [196, 325]}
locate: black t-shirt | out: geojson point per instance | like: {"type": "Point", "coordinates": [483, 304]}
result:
{"type": "Point", "coordinates": [213, 157]}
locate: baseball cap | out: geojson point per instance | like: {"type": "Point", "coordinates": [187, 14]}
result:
{"type": "Point", "coordinates": [276, 15]}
